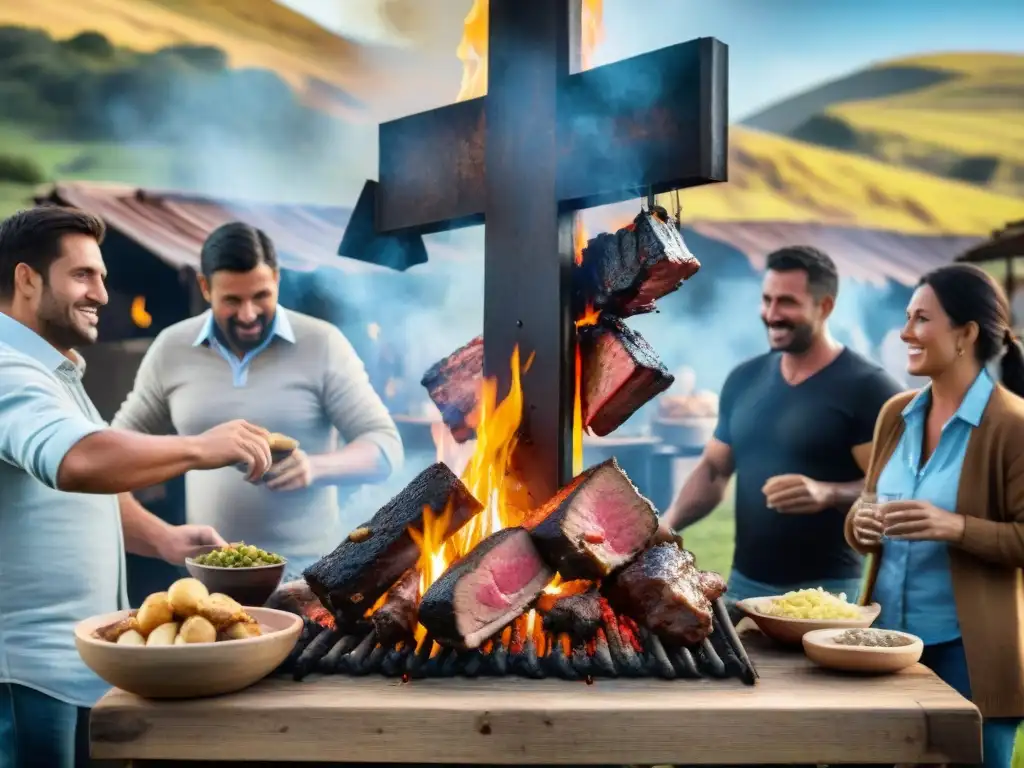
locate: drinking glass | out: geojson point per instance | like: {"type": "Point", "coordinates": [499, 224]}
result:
{"type": "Point", "coordinates": [885, 498]}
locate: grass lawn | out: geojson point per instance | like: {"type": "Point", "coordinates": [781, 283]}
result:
{"type": "Point", "coordinates": [711, 540]}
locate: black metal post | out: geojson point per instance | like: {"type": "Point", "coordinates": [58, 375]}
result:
{"type": "Point", "coordinates": [528, 243]}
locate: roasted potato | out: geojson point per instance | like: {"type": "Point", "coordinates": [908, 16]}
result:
{"type": "Point", "coordinates": [155, 611]}
{"type": "Point", "coordinates": [184, 596]}
{"type": "Point", "coordinates": [131, 637]}
{"type": "Point", "coordinates": [164, 634]}
{"type": "Point", "coordinates": [221, 611]}
{"type": "Point", "coordinates": [196, 629]}
{"type": "Point", "coordinates": [113, 632]}
{"type": "Point", "coordinates": [242, 630]}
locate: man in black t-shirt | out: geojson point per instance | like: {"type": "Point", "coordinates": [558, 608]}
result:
{"type": "Point", "coordinates": [795, 425]}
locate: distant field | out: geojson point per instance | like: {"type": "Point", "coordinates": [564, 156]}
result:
{"type": "Point", "coordinates": [153, 166]}
{"type": "Point", "coordinates": [774, 178]}
{"type": "Point", "coordinates": [969, 127]}
{"type": "Point", "coordinates": [962, 62]}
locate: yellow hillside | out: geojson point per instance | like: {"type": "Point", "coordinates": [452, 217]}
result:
{"type": "Point", "coordinates": [772, 178]}
{"type": "Point", "coordinates": [253, 33]}
{"type": "Point", "coordinates": [969, 127]}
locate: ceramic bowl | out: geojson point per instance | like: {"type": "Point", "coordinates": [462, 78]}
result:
{"type": "Point", "coordinates": [821, 648]}
{"type": "Point", "coordinates": [189, 671]}
{"type": "Point", "coordinates": [791, 631]}
{"type": "Point", "coordinates": [249, 586]}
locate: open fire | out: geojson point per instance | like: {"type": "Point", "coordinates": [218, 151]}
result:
{"type": "Point", "coordinates": [458, 575]}
{"type": "Point", "coordinates": [465, 574]}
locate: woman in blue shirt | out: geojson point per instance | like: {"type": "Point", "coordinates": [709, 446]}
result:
{"type": "Point", "coordinates": [958, 322]}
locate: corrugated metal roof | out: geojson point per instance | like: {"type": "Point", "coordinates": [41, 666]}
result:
{"type": "Point", "coordinates": [869, 255]}
{"type": "Point", "coordinates": [174, 225]}
{"type": "Point", "coordinates": [1008, 242]}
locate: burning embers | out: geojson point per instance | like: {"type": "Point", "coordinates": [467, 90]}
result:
{"type": "Point", "coordinates": [459, 576]}
{"type": "Point", "coordinates": [628, 607]}
{"type": "Point", "coordinates": [617, 275]}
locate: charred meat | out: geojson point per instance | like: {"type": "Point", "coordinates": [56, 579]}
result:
{"type": "Point", "coordinates": [597, 523]}
{"type": "Point", "coordinates": [579, 615]}
{"type": "Point", "coordinates": [625, 273]}
{"type": "Point", "coordinates": [454, 385]}
{"type": "Point", "coordinates": [362, 568]}
{"type": "Point", "coordinates": [396, 619]}
{"type": "Point", "coordinates": [485, 590]}
{"type": "Point", "coordinates": [664, 591]}
{"type": "Point", "coordinates": [621, 372]}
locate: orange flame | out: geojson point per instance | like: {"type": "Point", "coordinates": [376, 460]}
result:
{"type": "Point", "coordinates": [140, 317]}
{"type": "Point", "coordinates": [472, 50]}
{"type": "Point", "coordinates": [589, 317]}
{"type": "Point", "coordinates": [489, 474]}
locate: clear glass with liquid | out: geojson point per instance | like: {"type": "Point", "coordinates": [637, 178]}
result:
{"type": "Point", "coordinates": [885, 498]}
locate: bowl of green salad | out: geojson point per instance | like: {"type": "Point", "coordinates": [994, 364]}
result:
{"type": "Point", "coordinates": [241, 571]}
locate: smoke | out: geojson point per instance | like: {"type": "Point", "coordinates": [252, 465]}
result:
{"type": "Point", "coordinates": [234, 133]}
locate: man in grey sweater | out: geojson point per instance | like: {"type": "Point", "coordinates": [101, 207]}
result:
{"type": "Point", "coordinates": [285, 371]}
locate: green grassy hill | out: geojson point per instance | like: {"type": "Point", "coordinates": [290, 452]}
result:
{"type": "Point", "coordinates": [956, 115]}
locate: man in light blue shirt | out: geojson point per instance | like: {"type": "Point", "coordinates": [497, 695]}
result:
{"type": "Point", "coordinates": [66, 514]}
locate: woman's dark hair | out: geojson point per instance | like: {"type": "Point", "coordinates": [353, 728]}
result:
{"type": "Point", "coordinates": [236, 247]}
{"type": "Point", "coordinates": [34, 237]}
{"type": "Point", "coordinates": [969, 294]}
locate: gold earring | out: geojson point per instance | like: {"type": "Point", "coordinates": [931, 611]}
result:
{"type": "Point", "coordinates": [959, 352]}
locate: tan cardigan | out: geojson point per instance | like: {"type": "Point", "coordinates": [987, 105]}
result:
{"type": "Point", "coordinates": [986, 565]}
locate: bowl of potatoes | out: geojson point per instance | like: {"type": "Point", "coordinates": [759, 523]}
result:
{"type": "Point", "coordinates": [186, 643]}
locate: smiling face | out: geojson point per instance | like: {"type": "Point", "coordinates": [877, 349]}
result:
{"type": "Point", "coordinates": [791, 312]}
{"type": "Point", "coordinates": [934, 345]}
{"type": "Point", "coordinates": [66, 301]}
{"type": "Point", "coordinates": [243, 304]}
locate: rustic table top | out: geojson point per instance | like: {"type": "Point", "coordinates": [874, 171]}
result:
{"type": "Point", "coordinates": [797, 713]}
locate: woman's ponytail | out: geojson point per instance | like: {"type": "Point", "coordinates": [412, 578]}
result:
{"type": "Point", "coordinates": [1012, 365]}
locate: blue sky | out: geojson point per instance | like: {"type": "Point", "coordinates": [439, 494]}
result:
{"type": "Point", "coordinates": [776, 47]}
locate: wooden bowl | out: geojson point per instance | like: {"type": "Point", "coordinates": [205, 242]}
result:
{"type": "Point", "coordinates": [189, 671]}
{"type": "Point", "coordinates": [249, 586]}
{"type": "Point", "coordinates": [791, 631]}
{"type": "Point", "coordinates": [821, 648]}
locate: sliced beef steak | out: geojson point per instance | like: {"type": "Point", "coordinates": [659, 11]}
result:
{"type": "Point", "coordinates": [597, 523]}
{"type": "Point", "coordinates": [627, 272]}
{"type": "Point", "coordinates": [454, 385]}
{"type": "Point", "coordinates": [621, 372]}
{"type": "Point", "coordinates": [665, 591]}
{"type": "Point", "coordinates": [363, 567]}
{"type": "Point", "coordinates": [485, 590]}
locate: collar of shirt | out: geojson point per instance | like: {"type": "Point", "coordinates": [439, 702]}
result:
{"type": "Point", "coordinates": [23, 339]}
{"type": "Point", "coordinates": [280, 327]}
{"type": "Point", "coordinates": [971, 408]}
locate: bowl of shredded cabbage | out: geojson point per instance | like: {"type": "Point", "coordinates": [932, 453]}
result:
{"type": "Point", "coordinates": [787, 618]}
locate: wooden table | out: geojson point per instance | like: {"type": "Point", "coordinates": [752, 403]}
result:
{"type": "Point", "coordinates": [796, 714]}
